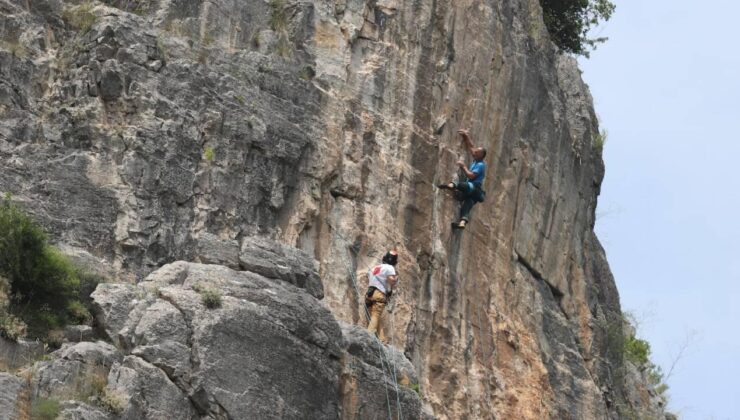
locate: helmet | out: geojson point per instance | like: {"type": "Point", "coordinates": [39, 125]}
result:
{"type": "Point", "coordinates": [390, 257]}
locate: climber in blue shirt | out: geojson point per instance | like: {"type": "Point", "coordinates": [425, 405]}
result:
{"type": "Point", "coordinates": [470, 189]}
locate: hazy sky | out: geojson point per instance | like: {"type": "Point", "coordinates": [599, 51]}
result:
{"type": "Point", "coordinates": [667, 88]}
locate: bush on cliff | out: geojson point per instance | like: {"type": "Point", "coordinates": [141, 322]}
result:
{"type": "Point", "coordinates": [569, 22]}
{"type": "Point", "coordinates": [44, 285]}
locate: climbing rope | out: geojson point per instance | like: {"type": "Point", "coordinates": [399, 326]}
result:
{"type": "Point", "coordinates": [395, 378]}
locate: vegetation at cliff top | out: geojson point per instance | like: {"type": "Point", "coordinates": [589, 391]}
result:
{"type": "Point", "coordinates": [637, 351]}
{"type": "Point", "coordinates": [570, 21]}
{"type": "Point", "coordinates": [44, 289]}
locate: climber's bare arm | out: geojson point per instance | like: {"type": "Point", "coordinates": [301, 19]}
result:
{"type": "Point", "coordinates": [392, 280]}
{"type": "Point", "coordinates": [465, 134]}
{"type": "Point", "coordinates": [468, 173]}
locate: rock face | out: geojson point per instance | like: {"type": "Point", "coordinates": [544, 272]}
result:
{"type": "Point", "coordinates": [269, 350]}
{"type": "Point", "coordinates": [11, 388]}
{"type": "Point", "coordinates": [144, 133]}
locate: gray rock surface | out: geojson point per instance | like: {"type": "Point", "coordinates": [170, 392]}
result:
{"type": "Point", "coordinates": [227, 358]}
{"type": "Point", "coordinates": [378, 381]}
{"type": "Point", "coordinates": [112, 303]}
{"type": "Point", "coordinates": [277, 261]}
{"type": "Point", "coordinates": [77, 333]}
{"type": "Point", "coordinates": [16, 354]}
{"type": "Point", "coordinates": [75, 370]}
{"type": "Point", "coordinates": [76, 410]}
{"type": "Point", "coordinates": [213, 250]}
{"type": "Point", "coordinates": [11, 387]}
{"type": "Point", "coordinates": [270, 350]}
{"type": "Point", "coordinates": [147, 393]}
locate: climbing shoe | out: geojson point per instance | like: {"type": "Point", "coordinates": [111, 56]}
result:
{"type": "Point", "coordinates": [448, 186]}
{"type": "Point", "coordinates": [460, 225]}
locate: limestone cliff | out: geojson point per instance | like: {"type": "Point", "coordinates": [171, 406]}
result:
{"type": "Point", "coordinates": [151, 131]}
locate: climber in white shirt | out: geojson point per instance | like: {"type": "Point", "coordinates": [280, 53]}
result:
{"type": "Point", "coordinates": [381, 281]}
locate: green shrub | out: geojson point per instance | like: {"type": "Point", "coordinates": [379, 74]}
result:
{"type": "Point", "coordinates": [79, 313]}
{"type": "Point", "coordinates": [44, 409]}
{"type": "Point", "coordinates": [210, 298]}
{"type": "Point", "coordinates": [43, 282]}
{"type": "Point", "coordinates": [636, 350]}
{"type": "Point", "coordinates": [209, 154]}
{"type": "Point", "coordinates": [569, 22]}
{"type": "Point", "coordinates": [15, 48]}
{"type": "Point", "coordinates": [113, 401]}
{"type": "Point", "coordinates": [279, 24]}
{"type": "Point", "coordinates": [11, 327]}
{"type": "Point", "coordinates": [416, 388]}
{"type": "Point", "coordinates": [278, 18]}
{"type": "Point", "coordinates": [208, 40]}
{"type": "Point", "coordinates": [283, 46]}
{"type": "Point", "coordinates": [600, 140]}
{"type": "Point", "coordinates": [80, 17]}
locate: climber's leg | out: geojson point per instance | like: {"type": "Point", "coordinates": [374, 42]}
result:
{"type": "Point", "coordinates": [376, 311]}
{"type": "Point", "coordinates": [465, 208]}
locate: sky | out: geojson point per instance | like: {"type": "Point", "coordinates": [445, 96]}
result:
{"type": "Point", "coordinates": [666, 87]}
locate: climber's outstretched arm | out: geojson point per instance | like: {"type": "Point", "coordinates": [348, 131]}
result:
{"type": "Point", "coordinates": [466, 138]}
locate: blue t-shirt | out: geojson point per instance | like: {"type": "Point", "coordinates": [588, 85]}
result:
{"type": "Point", "coordinates": [478, 167]}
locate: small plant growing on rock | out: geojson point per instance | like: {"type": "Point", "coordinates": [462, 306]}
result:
{"type": "Point", "coordinates": [15, 48]}
{"type": "Point", "coordinates": [307, 73]}
{"type": "Point", "coordinates": [44, 409]}
{"type": "Point", "coordinates": [279, 24]}
{"type": "Point", "coordinates": [80, 17]}
{"type": "Point", "coordinates": [600, 140]}
{"type": "Point", "coordinates": [278, 19]}
{"type": "Point", "coordinates": [175, 27]}
{"type": "Point", "coordinates": [79, 313]}
{"type": "Point", "coordinates": [416, 388]}
{"type": "Point", "coordinates": [113, 401]}
{"type": "Point", "coordinates": [208, 40]}
{"type": "Point", "coordinates": [256, 40]}
{"type": "Point", "coordinates": [211, 299]}
{"type": "Point", "coordinates": [202, 56]}
{"type": "Point", "coordinates": [283, 47]}
{"type": "Point", "coordinates": [209, 154]}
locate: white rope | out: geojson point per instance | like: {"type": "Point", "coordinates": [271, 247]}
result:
{"type": "Point", "coordinates": [395, 378]}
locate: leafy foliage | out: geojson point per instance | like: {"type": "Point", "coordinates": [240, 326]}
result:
{"type": "Point", "coordinates": [44, 409]}
{"type": "Point", "coordinates": [44, 285]}
{"type": "Point", "coordinates": [569, 22]}
{"type": "Point", "coordinates": [636, 350]}
{"type": "Point", "coordinates": [211, 298]}
{"type": "Point", "coordinates": [209, 154]}
{"type": "Point", "coordinates": [113, 401]}
{"type": "Point", "coordinates": [600, 140]}
{"type": "Point", "coordinates": [279, 24]}
{"type": "Point", "coordinates": [80, 17]}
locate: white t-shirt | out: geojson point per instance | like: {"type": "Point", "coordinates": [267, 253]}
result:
{"type": "Point", "coordinates": [378, 276]}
